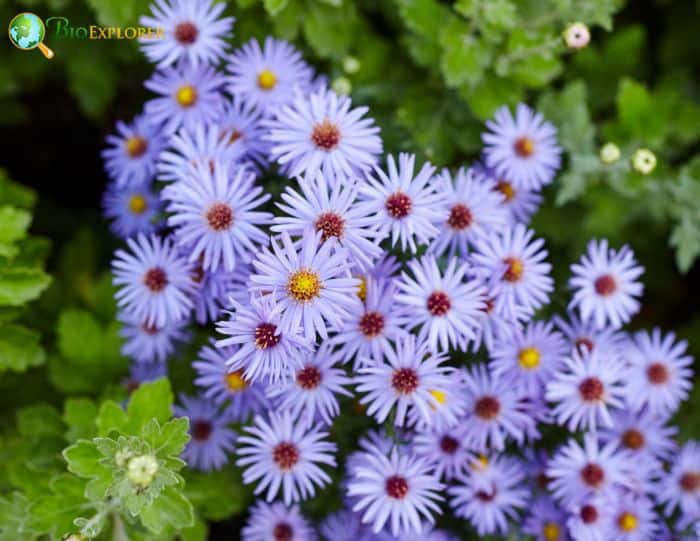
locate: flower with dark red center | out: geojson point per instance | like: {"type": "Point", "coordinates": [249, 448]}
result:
{"type": "Point", "coordinates": [371, 324]}
{"type": "Point", "coordinates": [266, 335]}
{"type": "Point", "coordinates": [186, 33]}
{"type": "Point", "coordinates": [155, 279]}
{"type": "Point", "coordinates": [487, 408]}
{"type": "Point", "coordinates": [585, 343]}
{"type": "Point", "coordinates": [591, 389]}
{"type": "Point", "coordinates": [690, 482]}
{"type": "Point", "coordinates": [593, 475]}
{"type": "Point", "coordinates": [588, 514]}
{"type": "Point", "coordinates": [449, 445]}
{"type": "Point", "coordinates": [283, 532]}
{"type": "Point", "coordinates": [398, 205]}
{"type": "Point", "coordinates": [487, 496]}
{"type": "Point", "coordinates": [438, 303]}
{"type": "Point", "coordinates": [201, 430]}
{"type": "Point", "coordinates": [605, 285]}
{"type": "Point", "coordinates": [460, 217]}
{"type": "Point", "coordinates": [136, 146]}
{"type": "Point", "coordinates": [309, 377]}
{"type": "Point", "coordinates": [220, 216]}
{"type": "Point", "coordinates": [524, 147]}
{"type": "Point", "coordinates": [325, 135]}
{"type": "Point", "coordinates": [285, 455]}
{"type": "Point", "coordinates": [331, 225]}
{"type": "Point", "coordinates": [405, 381]}
{"type": "Point", "coordinates": [633, 439]}
{"type": "Point", "coordinates": [657, 373]}
{"type": "Point", "coordinates": [396, 487]}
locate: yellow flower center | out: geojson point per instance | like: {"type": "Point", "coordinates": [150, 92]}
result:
{"type": "Point", "coordinates": [529, 358]}
{"type": "Point", "coordinates": [362, 288]}
{"type": "Point", "coordinates": [136, 146]}
{"type": "Point", "coordinates": [186, 95]}
{"type": "Point", "coordinates": [551, 531]}
{"type": "Point", "coordinates": [235, 382]}
{"type": "Point", "coordinates": [627, 522]}
{"type": "Point", "coordinates": [440, 396]}
{"type": "Point", "coordinates": [267, 80]}
{"type": "Point", "coordinates": [481, 463]}
{"type": "Point", "coordinates": [138, 204]}
{"type": "Point", "coordinates": [304, 285]}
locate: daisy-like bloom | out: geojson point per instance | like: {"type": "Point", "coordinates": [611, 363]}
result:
{"type": "Point", "coordinates": [131, 157]}
{"type": "Point", "coordinates": [519, 203]}
{"type": "Point", "coordinates": [528, 357]}
{"type": "Point", "coordinates": [213, 288]}
{"type": "Point", "coordinates": [269, 350]}
{"type": "Point", "coordinates": [605, 285]}
{"type": "Point", "coordinates": [311, 394]}
{"type": "Point", "coordinates": [584, 334]}
{"type": "Point", "coordinates": [411, 376]}
{"type": "Point", "coordinates": [589, 383]}
{"type": "Point", "coordinates": [213, 212]}
{"type": "Point", "coordinates": [281, 454]}
{"type": "Point", "coordinates": [397, 488]}
{"type": "Point", "coordinates": [331, 209]}
{"type": "Point", "coordinates": [404, 205]}
{"type": "Point", "coordinates": [192, 31]}
{"type": "Point", "coordinates": [660, 372]}
{"type": "Point", "coordinates": [577, 473]}
{"type": "Point", "coordinates": [445, 448]}
{"type": "Point", "coordinates": [371, 325]}
{"type": "Point", "coordinates": [680, 487]}
{"type": "Point", "coordinates": [228, 388]}
{"type": "Point", "coordinates": [242, 125]}
{"type": "Point", "coordinates": [203, 144]}
{"type": "Point", "coordinates": [312, 281]}
{"type": "Point", "coordinates": [471, 209]}
{"type": "Point", "coordinates": [523, 148]}
{"type": "Point", "coordinates": [277, 522]}
{"type": "Point", "coordinates": [445, 305]}
{"type": "Point", "coordinates": [489, 497]}
{"type": "Point", "coordinates": [147, 343]}
{"type": "Point", "coordinates": [546, 521]}
{"type": "Point", "coordinates": [155, 282]}
{"type": "Point", "coordinates": [320, 133]}
{"type": "Point", "coordinates": [634, 519]}
{"type": "Point", "coordinates": [211, 439]}
{"type": "Point", "coordinates": [494, 327]}
{"type": "Point", "coordinates": [495, 411]}
{"type": "Point", "coordinates": [591, 520]}
{"type": "Point", "coordinates": [514, 267]}
{"type": "Point", "coordinates": [267, 78]}
{"type": "Point", "coordinates": [644, 435]}
{"type": "Point", "coordinates": [131, 210]}
{"type": "Point", "coordinates": [189, 95]}
{"type": "Point", "coordinates": [344, 525]}
{"type": "Point", "coordinates": [450, 409]}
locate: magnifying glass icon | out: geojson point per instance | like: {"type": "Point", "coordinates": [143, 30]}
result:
{"type": "Point", "coordinates": [27, 32]}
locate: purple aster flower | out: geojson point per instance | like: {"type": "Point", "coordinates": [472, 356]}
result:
{"type": "Point", "coordinates": [428, 533]}
{"type": "Point", "coordinates": [494, 326]}
{"type": "Point", "coordinates": [514, 266]}
{"type": "Point", "coordinates": [546, 521]}
{"type": "Point", "coordinates": [267, 78]}
{"type": "Point", "coordinates": [445, 448]}
{"type": "Point", "coordinates": [451, 406]}
{"type": "Point", "coordinates": [312, 282]}
{"type": "Point", "coordinates": [605, 285]}
{"type": "Point", "coordinates": [331, 209]}
{"type": "Point", "coordinates": [345, 525]}
{"type": "Point", "coordinates": [399, 488]}
{"type": "Point", "coordinates": [269, 350]}
{"type": "Point", "coordinates": [679, 488]}
{"type": "Point", "coordinates": [320, 133]}
{"type": "Point", "coordinates": [211, 439]}
{"type": "Point", "coordinates": [528, 357]}
{"type": "Point", "coordinates": [535, 462]}
{"type": "Point", "coordinates": [311, 394]}
{"type": "Point", "coordinates": [213, 287]}
{"type": "Point", "coordinates": [659, 374]}
{"type": "Point", "coordinates": [131, 210]}
{"type": "Point", "coordinates": [495, 411]}
{"type": "Point", "coordinates": [202, 145]}
{"type": "Point", "coordinates": [409, 377]}
{"type": "Point", "coordinates": [226, 388]}
{"type": "Point", "coordinates": [130, 160]}
{"type": "Point", "coordinates": [277, 522]}
{"type": "Point", "coordinates": [143, 372]}
{"type": "Point", "coordinates": [644, 435]}
{"type": "Point", "coordinates": [577, 473]}
{"type": "Point", "coordinates": [585, 334]}
{"type": "Point", "coordinates": [445, 305]}
{"type": "Point", "coordinates": [213, 212]}
{"type": "Point", "coordinates": [147, 343]}
{"type": "Point", "coordinates": [281, 454]}
{"type": "Point", "coordinates": [471, 208]}
{"type": "Point", "coordinates": [591, 520]}
{"type": "Point", "coordinates": [189, 95]}
{"type": "Point", "coordinates": [489, 497]}
{"type": "Point", "coordinates": [404, 205]}
{"type": "Point", "coordinates": [155, 282]}
{"type": "Point", "coordinates": [589, 383]}
{"type": "Point", "coordinates": [522, 149]}
{"type": "Point", "coordinates": [634, 519]}
{"type": "Point", "coordinates": [243, 124]}
{"type": "Point", "coordinates": [371, 325]}
{"type": "Point", "coordinates": [192, 31]}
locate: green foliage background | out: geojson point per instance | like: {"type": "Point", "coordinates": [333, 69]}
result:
{"type": "Point", "coordinates": [431, 71]}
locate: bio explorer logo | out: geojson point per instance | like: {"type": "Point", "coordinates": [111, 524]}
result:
{"type": "Point", "coordinates": [27, 31]}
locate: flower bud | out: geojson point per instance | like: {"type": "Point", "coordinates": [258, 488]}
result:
{"type": "Point", "coordinates": [609, 153]}
{"type": "Point", "coordinates": [351, 65]}
{"type": "Point", "coordinates": [577, 36]}
{"type": "Point", "coordinates": [644, 161]}
{"type": "Point", "coordinates": [142, 469]}
{"type": "Point", "coordinates": [342, 86]}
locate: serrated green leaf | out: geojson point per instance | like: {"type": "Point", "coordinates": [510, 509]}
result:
{"type": "Point", "coordinates": [54, 513]}
{"type": "Point", "coordinates": [39, 421]}
{"type": "Point", "coordinates": [83, 459]}
{"type": "Point", "coordinates": [464, 57]}
{"type": "Point", "coordinates": [20, 348]}
{"type": "Point", "coordinates": [568, 110]}
{"type": "Point", "coordinates": [19, 285]}
{"type": "Point", "coordinates": [169, 439]}
{"type": "Point", "coordinates": [639, 114]}
{"type": "Point", "coordinates": [13, 224]}
{"type": "Point", "coordinates": [329, 30]}
{"type": "Point", "coordinates": [686, 239]}
{"type": "Point", "coordinates": [111, 417]}
{"type": "Point", "coordinates": [170, 507]}
{"type": "Point", "coordinates": [79, 337]}
{"type": "Point", "coordinates": [80, 415]}
{"type": "Point", "coordinates": [152, 400]}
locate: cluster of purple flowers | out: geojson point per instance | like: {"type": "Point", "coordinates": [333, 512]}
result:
{"type": "Point", "coordinates": [445, 352]}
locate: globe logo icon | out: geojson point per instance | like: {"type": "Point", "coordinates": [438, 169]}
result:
{"type": "Point", "coordinates": [27, 32]}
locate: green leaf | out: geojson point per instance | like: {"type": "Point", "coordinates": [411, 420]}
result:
{"type": "Point", "coordinates": [329, 30]}
{"type": "Point", "coordinates": [500, 14]}
{"type": "Point", "coordinates": [83, 460]}
{"type": "Point", "coordinates": [19, 285]}
{"type": "Point", "coordinates": [40, 421]}
{"type": "Point", "coordinates": [686, 239]}
{"type": "Point", "coordinates": [80, 415]}
{"type": "Point", "coordinates": [273, 7]}
{"type": "Point", "coordinates": [54, 513]}
{"type": "Point", "coordinates": [15, 194]}
{"type": "Point", "coordinates": [13, 515]}
{"type": "Point", "coordinates": [20, 348]}
{"type": "Point", "coordinates": [217, 497]}
{"type": "Point", "coordinates": [111, 417]}
{"type": "Point", "coordinates": [464, 58]}
{"type": "Point", "coordinates": [639, 114]}
{"type": "Point", "coordinates": [13, 224]}
{"type": "Point", "coordinates": [79, 336]}
{"type": "Point", "coordinates": [152, 400]}
{"type": "Point", "coordinates": [568, 111]}
{"type": "Point", "coordinates": [171, 507]}
{"type": "Point", "coordinates": [169, 439]}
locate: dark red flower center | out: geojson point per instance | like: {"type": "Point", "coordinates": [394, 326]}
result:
{"type": "Point", "coordinates": [460, 217]}
{"type": "Point", "coordinates": [265, 335]}
{"type": "Point", "coordinates": [398, 205]}
{"type": "Point", "coordinates": [285, 455]}
{"type": "Point", "coordinates": [372, 324]}
{"type": "Point", "coordinates": [309, 377]}
{"type": "Point", "coordinates": [657, 373]}
{"type": "Point", "coordinates": [591, 389]}
{"type": "Point", "coordinates": [438, 303]}
{"type": "Point", "coordinates": [405, 380]}
{"type": "Point", "coordinates": [633, 439]}
{"type": "Point", "coordinates": [325, 135]}
{"type": "Point", "coordinates": [283, 532]}
{"type": "Point", "coordinates": [186, 33]}
{"type": "Point", "coordinates": [449, 445]}
{"type": "Point", "coordinates": [201, 430]}
{"type": "Point", "coordinates": [593, 475]}
{"type": "Point", "coordinates": [584, 342]}
{"type": "Point", "coordinates": [524, 147]}
{"type": "Point", "coordinates": [589, 514]}
{"type": "Point", "coordinates": [155, 279]}
{"type": "Point", "coordinates": [149, 328]}
{"type": "Point", "coordinates": [220, 216]}
{"type": "Point", "coordinates": [487, 496]}
{"type": "Point", "coordinates": [396, 487]}
{"type": "Point", "coordinates": [605, 285]}
{"type": "Point", "coordinates": [331, 225]}
{"type": "Point", "coordinates": [690, 482]}
{"type": "Point", "coordinates": [487, 408]}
